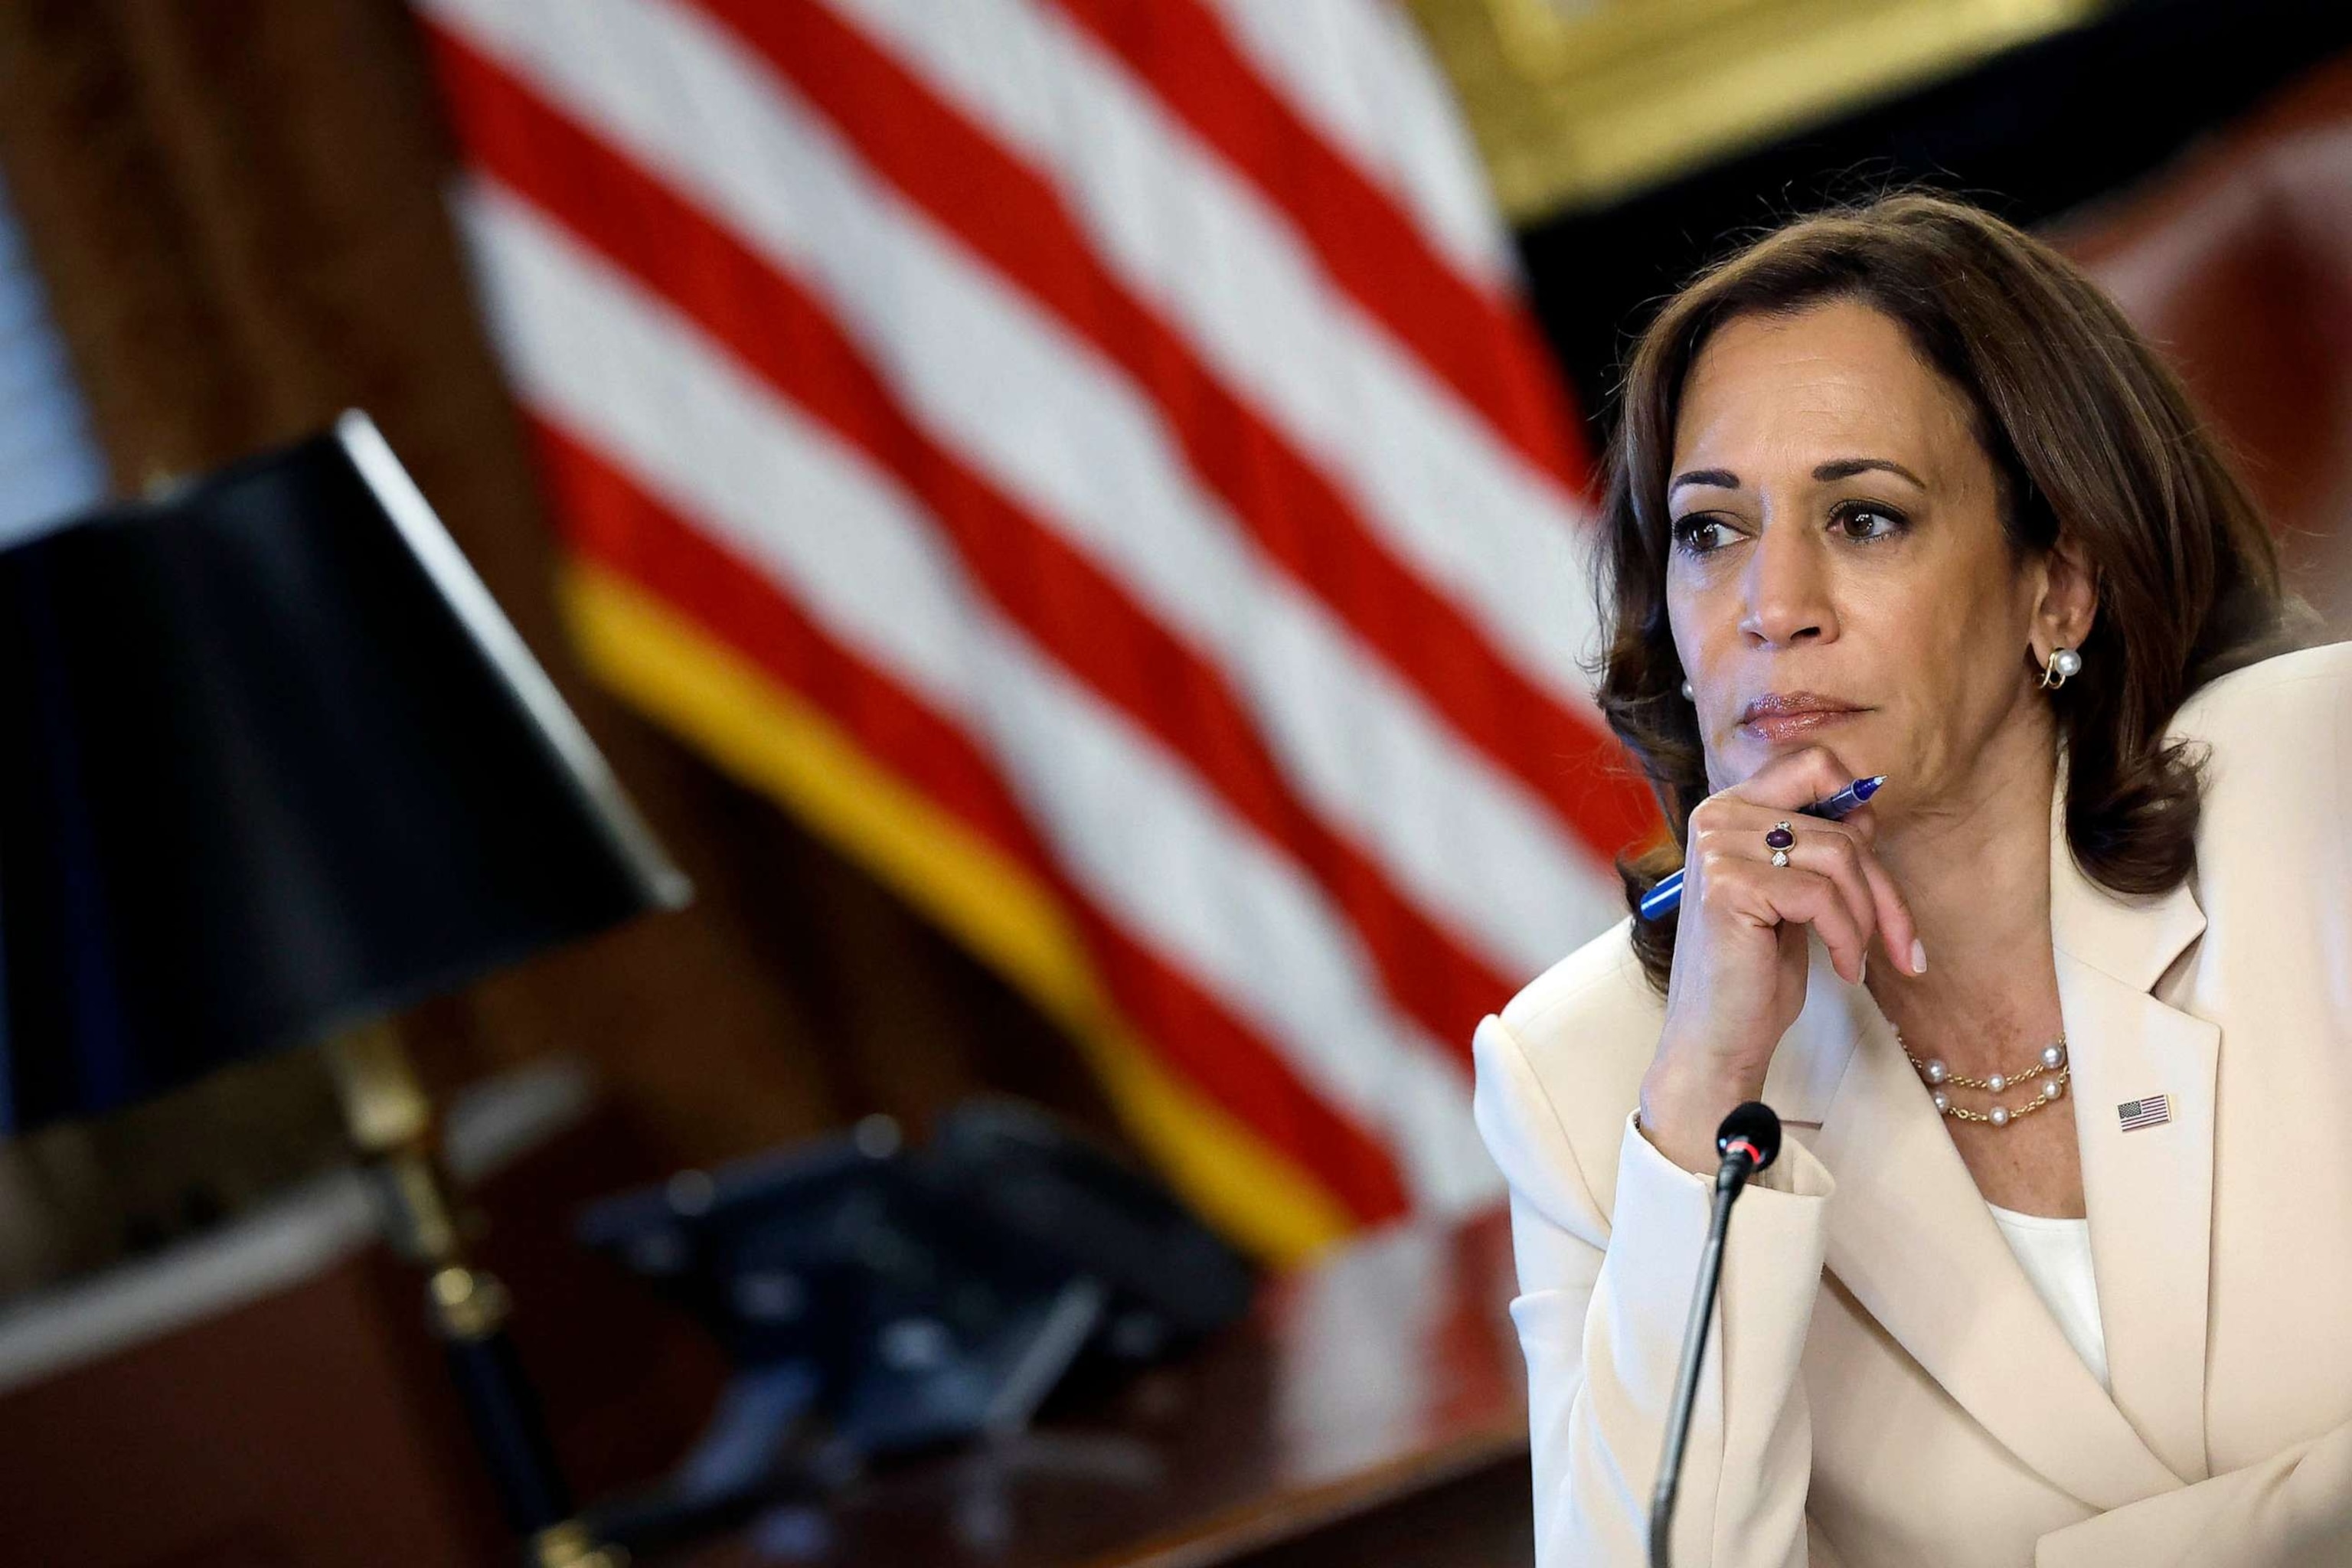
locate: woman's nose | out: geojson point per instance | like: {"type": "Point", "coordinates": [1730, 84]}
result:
{"type": "Point", "coordinates": [1787, 588]}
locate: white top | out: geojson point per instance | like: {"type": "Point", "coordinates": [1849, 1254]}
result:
{"type": "Point", "coordinates": [2056, 1255]}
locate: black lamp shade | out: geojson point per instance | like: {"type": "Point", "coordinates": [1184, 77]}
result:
{"type": "Point", "coordinates": [272, 762]}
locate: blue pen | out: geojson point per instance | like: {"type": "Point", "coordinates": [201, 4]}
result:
{"type": "Point", "coordinates": [1668, 896]}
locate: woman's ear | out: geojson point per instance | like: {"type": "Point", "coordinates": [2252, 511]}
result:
{"type": "Point", "coordinates": [2070, 594]}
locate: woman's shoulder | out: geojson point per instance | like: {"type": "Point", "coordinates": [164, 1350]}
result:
{"type": "Point", "coordinates": [2277, 748]}
{"type": "Point", "coordinates": [2275, 703]}
{"type": "Point", "coordinates": [1560, 1066]}
{"type": "Point", "coordinates": [2277, 760]}
{"type": "Point", "coordinates": [1587, 995]}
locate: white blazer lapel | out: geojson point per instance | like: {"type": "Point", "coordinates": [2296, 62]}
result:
{"type": "Point", "coordinates": [1909, 1235]}
{"type": "Point", "coordinates": [2150, 1189]}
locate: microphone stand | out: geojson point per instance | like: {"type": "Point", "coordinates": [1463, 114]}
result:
{"type": "Point", "coordinates": [1748, 1141]}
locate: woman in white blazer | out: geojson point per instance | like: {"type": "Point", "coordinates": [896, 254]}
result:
{"type": "Point", "coordinates": [2056, 1264]}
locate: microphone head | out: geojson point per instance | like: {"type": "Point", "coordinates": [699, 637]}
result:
{"type": "Point", "coordinates": [1755, 1125]}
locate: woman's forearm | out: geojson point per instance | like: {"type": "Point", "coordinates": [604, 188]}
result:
{"type": "Point", "coordinates": [1601, 1321]}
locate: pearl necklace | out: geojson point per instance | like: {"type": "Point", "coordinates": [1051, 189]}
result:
{"type": "Point", "coordinates": [1936, 1075]}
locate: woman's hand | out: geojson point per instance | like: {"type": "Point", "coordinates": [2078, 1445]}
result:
{"type": "Point", "coordinates": [1739, 978]}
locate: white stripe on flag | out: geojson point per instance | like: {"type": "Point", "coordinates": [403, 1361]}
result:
{"type": "Point", "coordinates": [1363, 77]}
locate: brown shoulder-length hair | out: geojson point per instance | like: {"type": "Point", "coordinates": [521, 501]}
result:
{"type": "Point", "coordinates": [2090, 436]}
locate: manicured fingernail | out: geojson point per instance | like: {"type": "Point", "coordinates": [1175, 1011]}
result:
{"type": "Point", "coordinates": [1918, 956]}
{"type": "Point", "coordinates": [1865, 970]}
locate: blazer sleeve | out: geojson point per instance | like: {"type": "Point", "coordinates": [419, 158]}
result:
{"type": "Point", "coordinates": [1600, 1314]}
{"type": "Point", "coordinates": [2292, 1510]}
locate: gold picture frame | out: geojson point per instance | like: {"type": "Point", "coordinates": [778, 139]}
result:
{"type": "Point", "coordinates": [1574, 103]}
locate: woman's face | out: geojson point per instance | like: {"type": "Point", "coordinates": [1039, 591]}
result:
{"type": "Point", "coordinates": [1838, 574]}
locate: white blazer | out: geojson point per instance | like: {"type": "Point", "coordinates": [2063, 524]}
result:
{"type": "Point", "coordinates": [1885, 1385]}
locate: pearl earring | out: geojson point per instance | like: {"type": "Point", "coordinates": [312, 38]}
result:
{"type": "Point", "coordinates": [1688, 695]}
{"type": "Point", "coordinates": [2065, 663]}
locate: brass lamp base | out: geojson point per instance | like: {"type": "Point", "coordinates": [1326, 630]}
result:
{"type": "Point", "coordinates": [569, 1545]}
{"type": "Point", "coordinates": [390, 1120]}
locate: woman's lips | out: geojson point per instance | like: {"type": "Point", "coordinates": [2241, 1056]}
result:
{"type": "Point", "coordinates": [1776, 727]}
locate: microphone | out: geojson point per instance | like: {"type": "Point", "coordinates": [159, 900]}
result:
{"type": "Point", "coordinates": [1749, 1140]}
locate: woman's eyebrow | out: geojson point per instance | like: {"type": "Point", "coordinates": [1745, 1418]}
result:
{"type": "Point", "coordinates": [1846, 468]}
{"type": "Point", "coordinates": [1722, 479]}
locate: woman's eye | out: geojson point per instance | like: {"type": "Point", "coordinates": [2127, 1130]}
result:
{"type": "Point", "coordinates": [1864, 524]}
{"type": "Point", "coordinates": [1697, 535]}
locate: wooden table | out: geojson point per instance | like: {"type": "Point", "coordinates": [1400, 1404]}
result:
{"type": "Point", "coordinates": [1371, 1409]}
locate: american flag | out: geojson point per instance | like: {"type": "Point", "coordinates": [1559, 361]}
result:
{"type": "Point", "coordinates": [2153, 1111]}
{"type": "Point", "coordinates": [1090, 458]}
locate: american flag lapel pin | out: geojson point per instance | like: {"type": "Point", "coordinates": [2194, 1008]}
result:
{"type": "Point", "coordinates": [2153, 1111]}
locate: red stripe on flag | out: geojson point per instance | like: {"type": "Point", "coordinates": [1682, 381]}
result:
{"type": "Point", "coordinates": [1483, 347]}
{"type": "Point", "coordinates": [1077, 614]}
{"type": "Point", "coordinates": [1011, 216]}
{"type": "Point", "coordinates": [610, 520]}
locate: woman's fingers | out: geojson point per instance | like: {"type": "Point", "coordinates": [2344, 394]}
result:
{"type": "Point", "coordinates": [1730, 831]}
{"type": "Point", "coordinates": [1825, 847]}
{"type": "Point", "coordinates": [1766, 895]}
{"type": "Point", "coordinates": [1796, 779]}
{"type": "Point", "coordinates": [1897, 933]}
{"type": "Point", "coordinates": [1880, 906]}
{"type": "Point", "coordinates": [1814, 774]}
